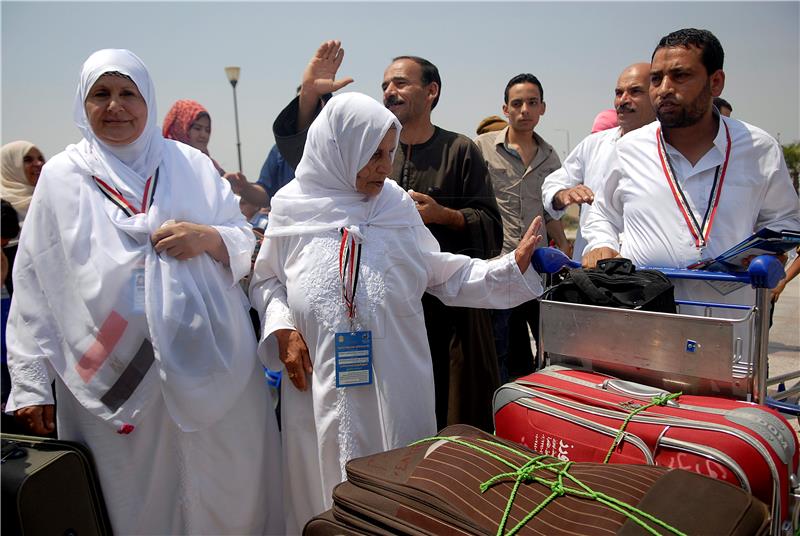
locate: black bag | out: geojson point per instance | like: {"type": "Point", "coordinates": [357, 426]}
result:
{"type": "Point", "coordinates": [616, 283]}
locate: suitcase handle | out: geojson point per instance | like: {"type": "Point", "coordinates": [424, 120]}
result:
{"type": "Point", "coordinates": [635, 390]}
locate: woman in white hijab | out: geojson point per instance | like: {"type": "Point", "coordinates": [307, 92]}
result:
{"type": "Point", "coordinates": [22, 163]}
{"type": "Point", "coordinates": [339, 281]}
{"type": "Point", "coordinates": [126, 294]}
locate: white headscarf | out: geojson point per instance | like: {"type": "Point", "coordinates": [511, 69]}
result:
{"type": "Point", "coordinates": [127, 167]}
{"type": "Point", "coordinates": [16, 188]}
{"type": "Point", "coordinates": [323, 194]}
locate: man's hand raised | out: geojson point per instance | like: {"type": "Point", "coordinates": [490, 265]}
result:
{"type": "Point", "coordinates": [319, 79]}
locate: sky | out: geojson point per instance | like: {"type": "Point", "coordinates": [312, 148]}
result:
{"type": "Point", "coordinates": [577, 50]}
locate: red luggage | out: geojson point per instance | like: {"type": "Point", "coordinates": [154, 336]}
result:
{"type": "Point", "coordinates": [576, 415]}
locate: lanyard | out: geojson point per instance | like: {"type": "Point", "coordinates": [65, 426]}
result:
{"type": "Point", "coordinates": [700, 231]}
{"type": "Point", "coordinates": [349, 262]}
{"type": "Point", "coordinates": [115, 197]}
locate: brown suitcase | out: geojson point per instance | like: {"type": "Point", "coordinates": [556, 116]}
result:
{"type": "Point", "coordinates": [326, 524]}
{"type": "Point", "coordinates": [434, 487]}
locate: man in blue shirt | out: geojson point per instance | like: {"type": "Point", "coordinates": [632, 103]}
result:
{"type": "Point", "coordinates": [275, 172]}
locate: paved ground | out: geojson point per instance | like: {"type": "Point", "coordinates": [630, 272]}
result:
{"type": "Point", "coordinates": [784, 337]}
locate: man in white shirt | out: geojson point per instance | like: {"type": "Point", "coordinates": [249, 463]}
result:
{"type": "Point", "coordinates": [692, 184]}
{"type": "Point", "coordinates": [585, 168]}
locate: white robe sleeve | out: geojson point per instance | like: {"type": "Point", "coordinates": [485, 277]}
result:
{"type": "Point", "coordinates": [31, 375]}
{"type": "Point", "coordinates": [604, 221]}
{"type": "Point", "coordinates": [463, 281]}
{"type": "Point", "coordinates": [268, 297]}
{"type": "Point", "coordinates": [569, 175]}
{"type": "Point", "coordinates": [30, 319]}
{"type": "Point", "coordinates": [239, 241]}
{"type": "Point", "coordinates": [230, 223]}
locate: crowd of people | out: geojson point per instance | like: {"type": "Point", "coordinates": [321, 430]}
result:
{"type": "Point", "coordinates": [393, 286]}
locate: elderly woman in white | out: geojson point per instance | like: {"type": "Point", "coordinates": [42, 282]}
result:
{"type": "Point", "coordinates": [338, 281]}
{"type": "Point", "coordinates": [126, 294]}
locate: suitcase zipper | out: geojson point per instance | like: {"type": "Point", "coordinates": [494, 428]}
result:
{"type": "Point", "coordinates": [710, 453]}
{"type": "Point", "coordinates": [371, 486]}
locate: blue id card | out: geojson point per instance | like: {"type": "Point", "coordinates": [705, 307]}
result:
{"type": "Point", "coordinates": [353, 358]}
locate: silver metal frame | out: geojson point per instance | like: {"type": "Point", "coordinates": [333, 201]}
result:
{"type": "Point", "coordinates": [701, 355]}
{"type": "Point", "coordinates": [728, 357]}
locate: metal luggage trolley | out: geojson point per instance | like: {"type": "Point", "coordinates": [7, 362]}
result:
{"type": "Point", "coordinates": [703, 355]}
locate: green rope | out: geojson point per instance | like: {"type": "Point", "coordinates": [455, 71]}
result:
{"type": "Point", "coordinates": [563, 484]}
{"type": "Point", "coordinates": [660, 400]}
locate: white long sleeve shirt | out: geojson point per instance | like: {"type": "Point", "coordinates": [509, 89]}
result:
{"type": "Point", "coordinates": [587, 164]}
{"type": "Point", "coordinates": [636, 196]}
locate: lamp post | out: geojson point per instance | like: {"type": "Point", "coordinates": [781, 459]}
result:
{"type": "Point", "coordinates": [569, 148]}
{"type": "Point", "coordinates": [233, 77]}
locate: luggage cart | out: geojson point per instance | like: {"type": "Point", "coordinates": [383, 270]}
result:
{"type": "Point", "coordinates": [700, 355]}
{"type": "Point", "coordinates": [703, 355]}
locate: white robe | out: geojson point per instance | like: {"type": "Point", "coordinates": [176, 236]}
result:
{"type": "Point", "coordinates": [297, 283]}
{"type": "Point", "coordinates": [221, 478]}
{"type": "Point", "coordinates": [224, 479]}
{"type": "Point", "coordinates": [183, 437]}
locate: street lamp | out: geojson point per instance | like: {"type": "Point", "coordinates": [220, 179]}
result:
{"type": "Point", "coordinates": [569, 148]}
{"type": "Point", "coordinates": [233, 77]}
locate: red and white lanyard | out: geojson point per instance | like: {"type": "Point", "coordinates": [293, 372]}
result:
{"type": "Point", "coordinates": [115, 197]}
{"type": "Point", "coordinates": [700, 231]}
{"type": "Point", "coordinates": [349, 261]}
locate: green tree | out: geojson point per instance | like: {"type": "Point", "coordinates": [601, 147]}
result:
{"type": "Point", "coordinates": [791, 153]}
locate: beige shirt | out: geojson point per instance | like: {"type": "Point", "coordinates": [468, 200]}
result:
{"type": "Point", "coordinates": [518, 188]}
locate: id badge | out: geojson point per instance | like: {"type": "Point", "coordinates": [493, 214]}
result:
{"type": "Point", "coordinates": [137, 281]}
{"type": "Point", "coordinates": [353, 358]}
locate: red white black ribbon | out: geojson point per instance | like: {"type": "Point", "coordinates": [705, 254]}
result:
{"type": "Point", "coordinates": [700, 231]}
{"type": "Point", "coordinates": [129, 209]}
{"type": "Point", "coordinates": [349, 261]}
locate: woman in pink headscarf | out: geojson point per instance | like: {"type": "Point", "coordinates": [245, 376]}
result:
{"type": "Point", "coordinates": [605, 120]}
{"type": "Point", "coordinates": [189, 122]}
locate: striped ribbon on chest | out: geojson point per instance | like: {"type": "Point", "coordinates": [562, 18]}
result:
{"type": "Point", "coordinates": [700, 230]}
{"type": "Point", "coordinates": [349, 261]}
{"type": "Point", "coordinates": [119, 200]}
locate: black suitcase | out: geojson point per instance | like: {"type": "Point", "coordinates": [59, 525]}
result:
{"type": "Point", "coordinates": [50, 487]}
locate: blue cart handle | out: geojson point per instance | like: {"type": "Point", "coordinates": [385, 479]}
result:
{"type": "Point", "coordinates": [765, 271]}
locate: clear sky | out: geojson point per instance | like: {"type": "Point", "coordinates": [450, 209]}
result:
{"type": "Point", "coordinates": [576, 49]}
